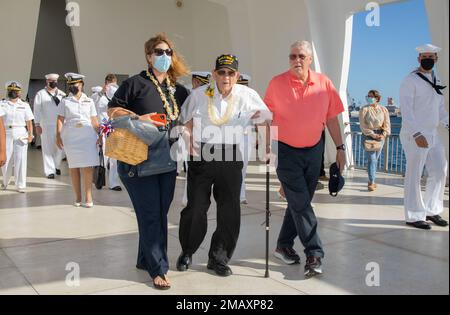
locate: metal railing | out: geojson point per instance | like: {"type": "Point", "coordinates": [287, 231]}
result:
{"type": "Point", "coordinates": [392, 159]}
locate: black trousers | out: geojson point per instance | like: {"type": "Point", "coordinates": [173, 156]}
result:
{"type": "Point", "coordinates": [152, 197]}
{"type": "Point", "coordinates": [298, 171]}
{"type": "Point", "coordinates": [223, 178]}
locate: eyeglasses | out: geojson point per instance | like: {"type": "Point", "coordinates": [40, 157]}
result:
{"type": "Point", "coordinates": [224, 73]}
{"type": "Point", "coordinates": [294, 57]}
{"type": "Point", "coordinates": [159, 52]}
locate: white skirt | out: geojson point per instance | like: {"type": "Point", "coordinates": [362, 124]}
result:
{"type": "Point", "coordinates": [80, 145]}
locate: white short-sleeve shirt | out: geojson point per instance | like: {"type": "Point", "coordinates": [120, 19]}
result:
{"type": "Point", "coordinates": [246, 103]}
{"type": "Point", "coordinates": [16, 114]}
{"type": "Point", "coordinates": [77, 111]}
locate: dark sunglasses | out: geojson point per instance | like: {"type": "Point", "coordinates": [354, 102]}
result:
{"type": "Point", "coordinates": [294, 57]}
{"type": "Point", "coordinates": [223, 73]}
{"type": "Point", "coordinates": [159, 52]}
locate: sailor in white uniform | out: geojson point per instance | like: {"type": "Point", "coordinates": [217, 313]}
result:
{"type": "Point", "coordinates": [2, 138]}
{"type": "Point", "coordinates": [96, 93]}
{"type": "Point", "coordinates": [18, 120]}
{"type": "Point", "coordinates": [77, 134]}
{"type": "Point", "coordinates": [46, 103]}
{"type": "Point", "coordinates": [101, 103]}
{"type": "Point", "coordinates": [423, 110]}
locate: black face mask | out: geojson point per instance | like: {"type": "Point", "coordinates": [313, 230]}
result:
{"type": "Point", "coordinates": [427, 64]}
{"type": "Point", "coordinates": [13, 95]}
{"type": "Point", "coordinates": [74, 89]}
{"type": "Point", "coordinates": [53, 85]}
{"type": "Point", "coordinates": [337, 182]}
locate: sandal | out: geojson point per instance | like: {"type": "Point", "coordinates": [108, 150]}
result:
{"type": "Point", "coordinates": [159, 286]}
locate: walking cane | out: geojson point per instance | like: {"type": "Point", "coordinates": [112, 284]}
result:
{"type": "Point", "coordinates": [267, 216]}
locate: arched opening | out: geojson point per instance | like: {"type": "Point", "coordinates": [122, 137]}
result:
{"type": "Point", "coordinates": [382, 55]}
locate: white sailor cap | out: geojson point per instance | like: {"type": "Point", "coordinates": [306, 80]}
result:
{"type": "Point", "coordinates": [97, 89]}
{"type": "Point", "coordinates": [52, 76]}
{"type": "Point", "coordinates": [428, 49]}
{"type": "Point", "coordinates": [202, 76]}
{"type": "Point", "coordinates": [13, 86]}
{"type": "Point", "coordinates": [73, 78]}
{"type": "Point", "coordinates": [244, 79]}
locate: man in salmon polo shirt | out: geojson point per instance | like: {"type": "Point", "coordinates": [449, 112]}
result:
{"type": "Point", "coordinates": [304, 103]}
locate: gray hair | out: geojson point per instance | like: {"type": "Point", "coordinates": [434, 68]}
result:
{"type": "Point", "coordinates": [303, 45]}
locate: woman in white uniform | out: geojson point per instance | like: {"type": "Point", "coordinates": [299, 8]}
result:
{"type": "Point", "coordinates": [76, 133]}
{"type": "Point", "coordinates": [2, 139]}
{"type": "Point", "coordinates": [18, 121]}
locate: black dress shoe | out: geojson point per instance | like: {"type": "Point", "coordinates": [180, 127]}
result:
{"type": "Point", "coordinates": [438, 221]}
{"type": "Point", "coordinates": [419, 225]}
{"type": "Point", "coordinates": [184, 262]}
{"type": "Point", "coordinates": [220, 269]}
{"type": "Point", "coordinates": [51, 176]}
{"type": "Point", "coordinates": [118, 188]}
{"type": "Point", "coordinates": [58, 172]}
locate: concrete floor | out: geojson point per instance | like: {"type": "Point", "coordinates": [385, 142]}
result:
{"type": "Point", "coordinates": [41, 233]}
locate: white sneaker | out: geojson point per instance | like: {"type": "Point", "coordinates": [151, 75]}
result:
{"type": "Point", "coordinates": [88, 205]}
{"type": "Point", "coordinates": [244, 202]}
{"type": "Point", "coordinates": [77, 204]}
{"type": "Point", "coordinates": [21, 190]}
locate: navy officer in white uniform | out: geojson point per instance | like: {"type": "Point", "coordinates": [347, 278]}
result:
{"type": "Point", "coordinates": [18, 120]}
{"type": "Point", "coordinates": [2, 139]}
{"type": "Point", "coordinates": [76, 133]}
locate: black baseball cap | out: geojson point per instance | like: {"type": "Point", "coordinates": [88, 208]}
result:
{"type": "Point", "coordinates": [337, 181]}
{"type": "Point", "coordinates": [227, 61]}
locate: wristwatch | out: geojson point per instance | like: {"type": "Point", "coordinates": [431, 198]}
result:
{"type": "Point", "coordinates": [341, 147]}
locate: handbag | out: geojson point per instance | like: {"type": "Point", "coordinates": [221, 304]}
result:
{"type": "Point", "coordinates": [100, 172]}
{"type": "Point", "coordinates": [373, 145]}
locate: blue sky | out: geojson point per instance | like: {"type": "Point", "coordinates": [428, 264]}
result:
{"type": "Point", "coordinates": [382, 56]}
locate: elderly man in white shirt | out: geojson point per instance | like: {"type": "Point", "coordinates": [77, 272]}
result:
{"type": "Point", "coordinates": [423, 109]}
{"type": "Point", "coordinates": [45, 106]}
{"type": "Point", "coordinates": [215, 117]}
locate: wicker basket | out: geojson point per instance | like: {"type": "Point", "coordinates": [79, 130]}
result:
{"type": "Point", "coordinates": [124, 146]}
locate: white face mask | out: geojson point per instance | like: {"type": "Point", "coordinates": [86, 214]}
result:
{"type": "Point", "coordinates": [111, 90]}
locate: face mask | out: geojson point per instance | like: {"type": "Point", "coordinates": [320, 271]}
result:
{"type": "Point", "coordinates": [163, 63]}
{"type": "Point", "coordinates": [427, 64]}
{"type": "Point", "coordinates": [74, 89]}
{"type": "Point", "coordinates": [337, 182]}
{"type": "Point", "coordinates": [371, 100]}
{"type": "Point", "coordinates": [111, 90]}
{"type": "Point", "coordinates": [52, 85]}
{"type": "Point", "coordinates": [13, 95]}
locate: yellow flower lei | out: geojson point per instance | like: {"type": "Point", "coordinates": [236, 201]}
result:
{"type": "Point", "coordinates": [212, 113]}
{"type": "Point", "coordinates": [171, 115]}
